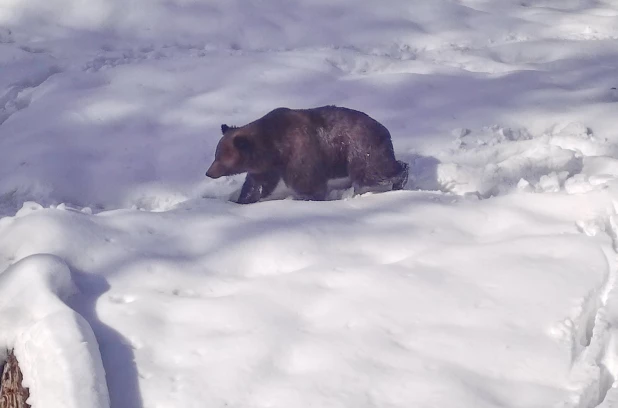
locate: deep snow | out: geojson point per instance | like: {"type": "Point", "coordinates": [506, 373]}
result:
{"type": "Point", "coordinates": [490, 282]}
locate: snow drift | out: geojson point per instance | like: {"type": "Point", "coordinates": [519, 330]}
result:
{"type": "Point", "coordinates": [56, 348]}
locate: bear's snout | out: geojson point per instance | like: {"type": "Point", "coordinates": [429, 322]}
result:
{"type": "Point", "coordinates": [215, 171]}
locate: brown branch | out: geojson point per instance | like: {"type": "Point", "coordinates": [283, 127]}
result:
{"type": "Point", "coordinates": [12, 393]}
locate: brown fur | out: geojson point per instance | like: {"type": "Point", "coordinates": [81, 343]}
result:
{"type": "Point", "coordinates": [306, 148]}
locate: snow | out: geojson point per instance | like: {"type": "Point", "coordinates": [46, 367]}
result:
{"type": "Point", "coordinates": [130, 280]}
{"type": "Point", "coordinates": [56, 346]}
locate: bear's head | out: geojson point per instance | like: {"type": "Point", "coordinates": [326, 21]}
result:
{"type": "Point", "coordinates": [235, 154]}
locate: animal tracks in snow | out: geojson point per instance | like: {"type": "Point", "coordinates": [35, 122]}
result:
{"type": "Point", "coordinates": [19, 95]}
{"type": "Point", "coordinates": [495, 160]}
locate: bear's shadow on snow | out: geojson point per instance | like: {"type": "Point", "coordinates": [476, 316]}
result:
{"type": "Point", "coordinates": [116, 351]}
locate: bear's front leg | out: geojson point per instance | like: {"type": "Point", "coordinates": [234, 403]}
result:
{"type": "Point", "coordinates": [269, 181]}
{"type": "Point", "coordinates": [258, 186]}
{"type": "Point", "coordinates": [251, 191]}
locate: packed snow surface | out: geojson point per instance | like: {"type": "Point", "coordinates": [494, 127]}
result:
{"type": "Point", "coordinates": [129, 279]}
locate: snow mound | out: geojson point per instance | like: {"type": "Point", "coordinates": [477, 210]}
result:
{"type": "Point", "coordinates": [56, 348]}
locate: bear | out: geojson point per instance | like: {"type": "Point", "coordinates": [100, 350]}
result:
{"type": "Point", "coordinates": [305, 148]}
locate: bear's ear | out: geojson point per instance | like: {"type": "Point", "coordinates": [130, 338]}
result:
{"type": "Point", "coordinates": [243, 144]}
{"type": "Point", "coordinates": [224, 128]}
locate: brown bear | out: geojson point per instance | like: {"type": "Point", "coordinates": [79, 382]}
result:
{"type": "Point", "coordinates": [306, 148]}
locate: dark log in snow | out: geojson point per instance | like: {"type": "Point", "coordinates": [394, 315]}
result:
{"type": "Point", "coordinates": [12, 394]}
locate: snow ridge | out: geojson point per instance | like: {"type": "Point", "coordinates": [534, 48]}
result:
{"type": "Point", "coordinates": [595, 341]}
{"type": "Point", "coordinates": [55, 346]}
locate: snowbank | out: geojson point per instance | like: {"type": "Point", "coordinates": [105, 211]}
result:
{"type": "Point", "coordinates": [388, 298]}
{"type": "Point", "coordinates": [56, 348]}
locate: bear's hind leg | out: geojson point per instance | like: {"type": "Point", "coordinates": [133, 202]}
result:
{"type": "Point", "coordinates": [400, 180]}
{"type": "Point", "coordinates": [378, 176]}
